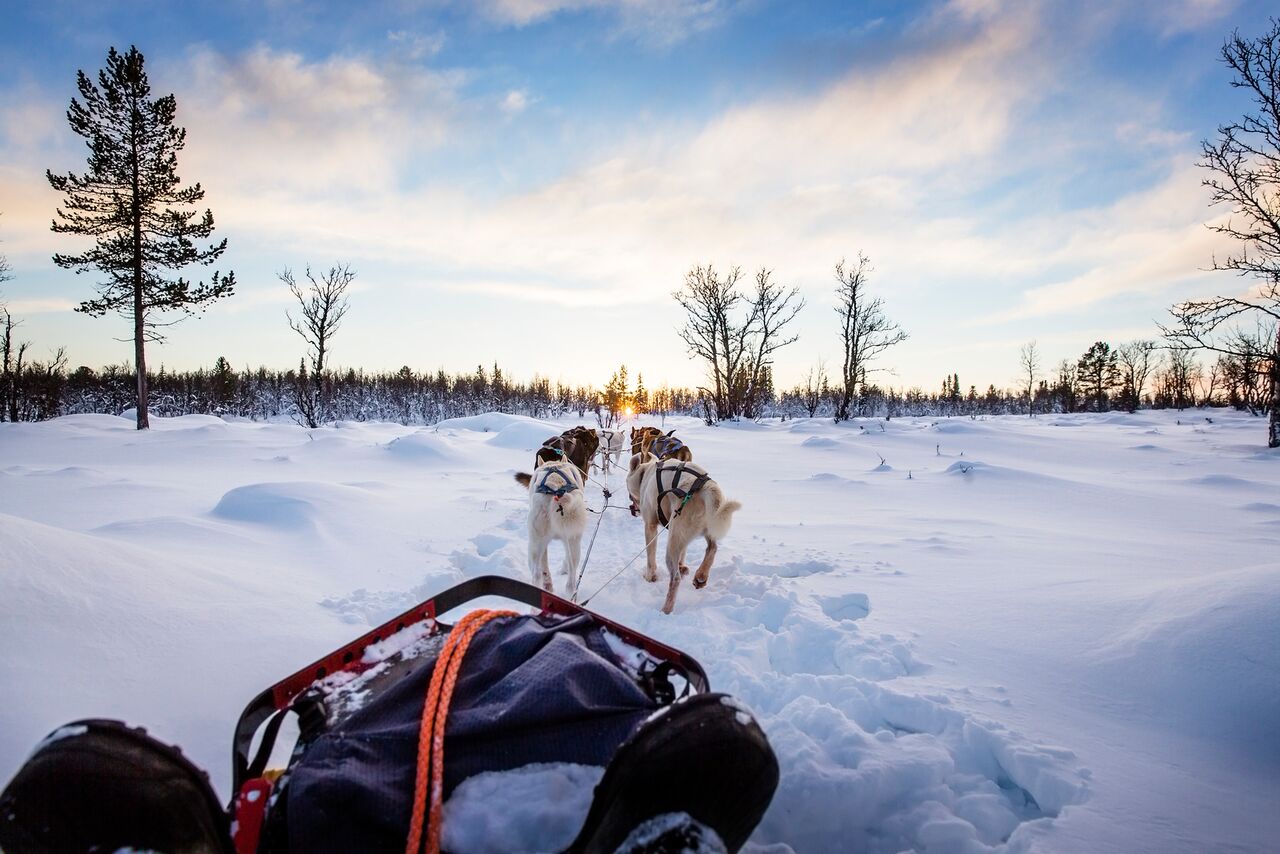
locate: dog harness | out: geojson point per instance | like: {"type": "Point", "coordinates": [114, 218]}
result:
{"type": "Point", "coordinates": [673, 486]}
{"type": "Point", "coordinates": [664, 445]}
{"type": "Point", "coordinates": [569, 485]}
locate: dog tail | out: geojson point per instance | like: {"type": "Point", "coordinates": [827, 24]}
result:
{"type": "Point", "coordinates": [719, 512]}
{"type": "Point", "coordinates": [523, 479]}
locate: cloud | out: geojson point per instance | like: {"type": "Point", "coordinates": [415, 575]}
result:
{"type": "Point", "coordinates": [21, 307]}
{"type": "Point", "coordinates": [269, 121]}
{"type": "Point", "coordinates": [1150, 243]}
{"type": "Point", "coordinates": [515, 102]}
{"type": "Point", "coordinates": [544, 292]}
{"type": "Point", "coordinates": [416, 46]}
{"type": "Point", "coordinates": [662, 22]}
{"type": "Point", "coordinates": [1181, 16]}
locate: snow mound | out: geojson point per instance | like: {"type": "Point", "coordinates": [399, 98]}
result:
{"type": "Point", "coordinates": [819, 442]}
{"type": "Point", "coordinates": [177, 422]}
{"type": "Point", "coordinates": [524, 435]}
{"type": "Point", "coordinates": [96, 421]}
{"type": "Point", "coordinates": [491, 422]}
{"type": "Point", "coordinates": [1203, 656]}
{"type": "Point", "coordinates": [809, 425]}
{"type": "Point", "coordinates": [970, 466]}
{"type": "Point", "coordinates": [832, 477]}
{"type": "Point", "coordinates": [961, 427]}
{"type": "Point", "coordinates": [1227, 481]}
{"type": "Point", "coordinates": [292, 506]}
{"type": "Point", "coordinates": [422, 446]}
{"type": "Point", "coordinates": [543, 806]}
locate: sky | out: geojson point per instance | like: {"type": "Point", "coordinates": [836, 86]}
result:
{"type": "Point", "coordinates": [527, 181]}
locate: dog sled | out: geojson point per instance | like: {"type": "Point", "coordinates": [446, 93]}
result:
{"type": "Point", "coordinates": [391, 724]}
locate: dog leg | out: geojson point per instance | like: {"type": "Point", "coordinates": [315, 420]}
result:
{"type": "Point", "coordinates": [651, 550]}
{"type": "Point", "coordinates": [704, 569]}
{"type": "Point", "coordinates": [572, 557]}
{"type": "Point", "coordinates": [676, 545]}
{"type": "Point", "coordinates": [538, 564]}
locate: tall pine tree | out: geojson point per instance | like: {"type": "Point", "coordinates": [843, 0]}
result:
{"type": "Point", "coordinates": [130, 202]}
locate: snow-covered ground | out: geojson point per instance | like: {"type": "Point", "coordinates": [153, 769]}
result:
{"type": "Point", "coordinates": [1057, 634]}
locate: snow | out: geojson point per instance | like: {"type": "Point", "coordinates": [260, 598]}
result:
{"type": "Point", "coordinates": [1051, 634]}
{"type": "Point", "coordinates": [542, 808]}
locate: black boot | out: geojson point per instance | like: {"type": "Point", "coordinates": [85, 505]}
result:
{"type": "Point", "coordinates": [99, 785]}
{"type": "Point", "coordinates": [704, 757]}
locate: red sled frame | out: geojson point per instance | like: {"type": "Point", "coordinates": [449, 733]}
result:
{"type": "Point", "coordinates": [349, 658]}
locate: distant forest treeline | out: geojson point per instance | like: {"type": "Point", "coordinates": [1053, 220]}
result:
{"type": "Point", "coordinates": [41, 390]}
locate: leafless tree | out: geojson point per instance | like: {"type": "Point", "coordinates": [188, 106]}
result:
{"type": "Point", "coordinates": [772, 308]}
{"type": "Point", "coordinates": [1029, 360]}
{"type": "Point", "coordinates": [1246, 375]}
{"type": "Point", "coordinates": [323, 304]}
{"type": "Point", "coordinates": [815, 386]}
{"type": "Point", "coordinates": [1244, 173]}
{"type": "Point", "coordinates": [864, 330]}
{"type": "Point", "coordinates": [1179, 378]}
{"type": "Point", "coordinates": [737, 351]}
{"type": "Point", "coordinates": [10, 366]}
{"type": "Point", "coordinates": [1137, 360]}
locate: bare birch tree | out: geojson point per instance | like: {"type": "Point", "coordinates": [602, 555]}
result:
{"type": "Point", "coordinates": [1244, 173]}
{"type": "Point", "coordinates": [322, 304]}
{"type": "Point", "coordinates": [1137, 360]}
{"type": "Point", "coordinates": [1029, 360]}
{"type": "Point", "coordinates": [864, 330]}
{"type": "Point", "coordinates": [738, 351]}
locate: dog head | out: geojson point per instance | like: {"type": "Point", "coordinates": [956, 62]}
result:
{"type": "Point", "coordinates": [559, 481]}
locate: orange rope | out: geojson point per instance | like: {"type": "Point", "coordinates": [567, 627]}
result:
{"type": "Point", "coordinates": [431, 732]}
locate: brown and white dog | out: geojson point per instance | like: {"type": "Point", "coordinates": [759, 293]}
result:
{"type": "Point", "coordinates": [557, 511]}
{"type": "Point", "coordinates": [666, 447]}
{"type": "Point", "coordinates": [564, 449]}
{"type": "Point", "coordinates": [638, 435]}
{"type": "Point", "coordinates": [683, 497]}
{"type": "Point", "coordinates": [587, 436]}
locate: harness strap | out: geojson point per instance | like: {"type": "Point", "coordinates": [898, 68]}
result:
{"type": "Point", "coordinates": [665, 445]}
{"type": "Point", "coordinates": [674, 488]}
{"type": "Point", "coordinates": [569, 485]}
{"type": "Point", "coordinates": [430, 770]}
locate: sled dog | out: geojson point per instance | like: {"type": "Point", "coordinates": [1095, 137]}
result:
{"type": "Point", "coordinates": [611, 445]}
{"type": "Point", "coordinates": [557, 511]}
{"type": "Point", "coordinates": [666, 447]}
{"type": "Point", "coordinates": [564, 449]}
{"type": "Point", "coordinates": [683, 498]}
{"type": "Point", "coordinates": [638, 435]}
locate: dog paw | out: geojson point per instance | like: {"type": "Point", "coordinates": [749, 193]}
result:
{"type": "Point", "coordinates": [699, 583]}
{"type": "Point", "coordinates": [684, 569]}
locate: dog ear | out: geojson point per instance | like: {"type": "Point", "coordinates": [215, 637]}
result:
{"type": "Point", "coordinates": [670, 432]}
{"type": "Point", "coordinates": [635, 461]}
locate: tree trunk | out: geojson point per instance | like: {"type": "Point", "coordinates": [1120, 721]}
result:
{"type": "Point", "coordinates": [139, 317]}
{"type": "Point", "coordinates": [1273, 427]}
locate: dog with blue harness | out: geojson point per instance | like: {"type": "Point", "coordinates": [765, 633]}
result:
{"type": "Point", "coordinates": [557, 511]}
